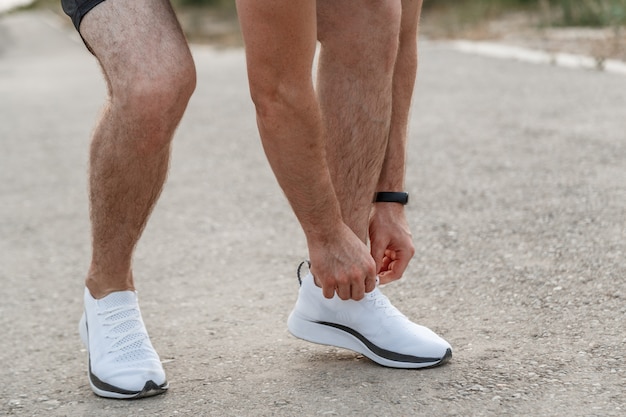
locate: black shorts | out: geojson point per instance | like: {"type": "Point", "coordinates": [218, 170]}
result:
{"type": "Point", "coordinates": [77, 9]}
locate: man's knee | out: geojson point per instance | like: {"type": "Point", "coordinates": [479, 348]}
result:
{"type": "Point", "coordinates": [166, 88]}
{"type": "Point", "coordinates": [160, 92]}
{"type": "Point", "coordinates": [373, 17]}
{"type": "Point", "coordinates": [143, 53]}
{"type": "Point", "coordinates": [365, 28]}
{"type": "Point", "coordinates": [386, 13]}
{"type": "Point", "coordinates": [153, 100]}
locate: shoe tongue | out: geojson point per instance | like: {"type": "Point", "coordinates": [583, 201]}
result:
{"type": "Point", "coordinates": [118, 298]}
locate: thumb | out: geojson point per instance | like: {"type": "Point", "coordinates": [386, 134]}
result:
{"type": "Point", "coordinates": [378, 254]}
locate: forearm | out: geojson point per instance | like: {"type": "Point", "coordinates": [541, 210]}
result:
{"type": "Point", "coordinates": [393, 170]}
{"type": "Point", "coordinates": [291, 137]}
{"type": "Point", "coordinates": [280, 38]}
{"type": "Point", "coordinates": [340, 260]}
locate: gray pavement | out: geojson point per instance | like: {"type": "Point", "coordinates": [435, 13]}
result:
{"type": "Point", "coordinates": [518, 181]}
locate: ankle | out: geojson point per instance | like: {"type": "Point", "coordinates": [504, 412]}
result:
{"type": "Point", "coordinates": [99, 287]}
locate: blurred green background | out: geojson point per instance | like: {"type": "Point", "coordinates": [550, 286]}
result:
{"type": "Point", "coordinates": [554, 12]}
{"type": "Point", "coordinates": [558, 12]}
{"type": "Point", "coordinates": [467, 18]}
{"type": "Point", "coordinates": [595, 13]}
{"type": "Point", "coordinates": [590, 27]}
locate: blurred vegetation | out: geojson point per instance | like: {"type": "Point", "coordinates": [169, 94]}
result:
{"type": "Point", "coordinates": [215, 21]}
{"type": "Point", "coordinates": [591, 13]}
{"type": "Point", "coordinates": [594, 13]}
{"type": "Point", "coordinates": [556, 12]}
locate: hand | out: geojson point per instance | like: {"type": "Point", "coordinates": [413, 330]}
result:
{"type": "Point", "coordinates": [391, 241]}
{"type": "Point", "coordinates": [342, 264]}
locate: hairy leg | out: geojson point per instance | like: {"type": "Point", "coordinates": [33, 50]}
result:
{"type": "Point", "coordinates": [390, 237]}
{"type": "Point", "coordinates": [359, 44]}
{"type": "Point", "coordinates": [150, 76]}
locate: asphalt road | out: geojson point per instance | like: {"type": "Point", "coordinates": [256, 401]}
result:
{"type": "Point", "coordinates": [518, 180]}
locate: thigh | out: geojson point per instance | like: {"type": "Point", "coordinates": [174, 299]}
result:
{"type": "Point", "coordinates": [132, 38]}
{"type": "Point", "coordinates": [357, 21]}
{"type": "Point", "coordinates": [280, 39]}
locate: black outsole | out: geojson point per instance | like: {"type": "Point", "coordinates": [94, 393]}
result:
{"type": "Point", "coordinates": [150, 389]}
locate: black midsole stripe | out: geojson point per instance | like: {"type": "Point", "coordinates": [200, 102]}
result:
{"type": "Point", "coordinates": [383, 353]}
{"type": "Point", "coordinates": [150, 386]}
{"type": "Point", "coordinates": [108, 387]}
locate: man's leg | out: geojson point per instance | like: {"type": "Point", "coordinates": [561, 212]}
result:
{"type": "Point", "coordinates": [390, 236]}
{"type": "Point", "coordinates": [359, 44]}
{"type": "Point", "coordinates": [356, 76]}
{"type": "Point", "coordinates": [150, 76]}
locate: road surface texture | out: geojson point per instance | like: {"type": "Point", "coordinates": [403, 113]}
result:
{"type": "Point", "coordinates": [517, 175]}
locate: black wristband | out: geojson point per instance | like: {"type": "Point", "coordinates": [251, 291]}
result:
{"type": "Point", "coordinates": [391, 197]}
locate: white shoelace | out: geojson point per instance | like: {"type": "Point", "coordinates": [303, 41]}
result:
{"type": "Point", "coordinates": [381, 302]}
{"type": "Point", "coordinates": [125, 330]}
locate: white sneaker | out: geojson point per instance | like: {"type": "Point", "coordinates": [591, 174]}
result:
{"type": "Point", "coordinates": [371, 326]}
{"type": "Point", "coordinates": [122, 362]}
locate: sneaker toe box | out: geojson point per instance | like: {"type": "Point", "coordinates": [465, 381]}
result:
{"type": "Point", "coordinates": [131, 379]}
{"type": "Point", "coordinates": [422, 342]}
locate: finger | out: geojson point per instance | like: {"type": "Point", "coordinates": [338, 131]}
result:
{"type": "Point", "coordinates": [370, 280]}
{"type": "Point", "coordinates": [391, 254]}
{"type": "Point", "coordinates": [378, 253]}
{"type": "Point", "coordinates": [386, 262]}
{"type": "Point", "coordinates": [328, 289]}
{"type": "Point", "coordinates": [370, 284]}
{"type": "Point", "coordinates": [358, 291]}
{"type": "Point", "coordinates": [343, 291]}
{"type": "Point", "coordinates": [395, 270]}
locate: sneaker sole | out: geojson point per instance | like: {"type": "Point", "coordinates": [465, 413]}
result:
{"type": "Point", "coordinates": [332, 334]}
{"type": "Point", "coordinates": [105, 390]}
